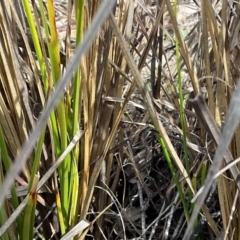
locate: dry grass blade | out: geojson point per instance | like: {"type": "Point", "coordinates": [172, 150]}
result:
{"type": "Point", "coordinates": [232, 120]}
{"type": "Point", "coordinates": [227, 167]}
{"type": "Point", "coordinates": [231, 214]}
{"type": "Point", "coordinates": [76, 230]}
{"type": "Point", "coordinates": [206, 59]}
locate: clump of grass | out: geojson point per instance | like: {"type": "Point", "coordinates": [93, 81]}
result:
{"type": "Point", "coordinates": [119, 150]}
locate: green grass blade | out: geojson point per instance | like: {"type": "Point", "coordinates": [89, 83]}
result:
{"type": "Point", "coordinates": [181, 100]}
{"type": "Point", "coordinates": [60, 214]}
{"type": "Point", "coordinates": [29, 212]}
{"type": "Point", "coordinates": [175, 177]}
{"type": "Point", "coordinates": [76, 98]}
{"type": "Point", "coordinates": [3, 218]}
{"type": "Point", "coordinates": [54, 53]}
{"type": "Point", "coordinates": [37, 159]}
{"type": "Point", "coordinates": [36, 43]}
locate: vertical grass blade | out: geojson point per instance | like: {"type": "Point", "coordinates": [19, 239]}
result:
{"type": "Point", "coordinates": [29, 212]}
